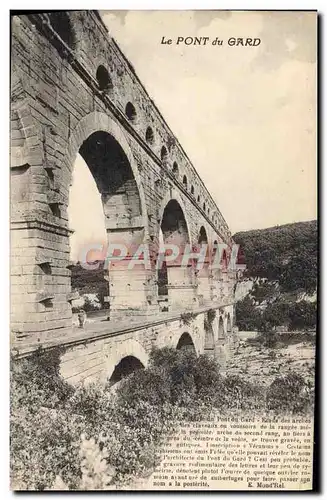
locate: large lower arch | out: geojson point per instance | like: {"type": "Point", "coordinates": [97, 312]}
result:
{"type": "Point", "coordinates": [103, 146]}
{"type": "Point", "coordinates": [101, 122]}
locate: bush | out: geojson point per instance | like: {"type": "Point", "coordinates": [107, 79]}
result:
{"type": "Point", "coordinates": [248, 316]}
{"type": "Point", "coordinates": [267, 339]}
{"type": "Point", "coordinates": [290, 394]}
{"type": "Point", "coordinates": [276, 314]}
{"type": "Point", "coordinates": [174, 377]}
{"type": "Point", "coordinates": [36, 381]}
{"type": "Point", "coordinates": [43, 438]}
{"type": "Point", "coordinates": [240, 394]}
{"type": "Point", "coordinates": [303, 315]}
{"type": "Point", "coordinates": [89, 437]}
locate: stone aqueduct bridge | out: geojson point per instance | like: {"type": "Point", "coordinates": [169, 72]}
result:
{"type": "Point", "coordinates": [73, 91]}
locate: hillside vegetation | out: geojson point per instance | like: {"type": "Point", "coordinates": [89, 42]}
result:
{"type": "Point", "coordinates": [287, 254]}
{"type": "Point", "coordinates": [282, 262]}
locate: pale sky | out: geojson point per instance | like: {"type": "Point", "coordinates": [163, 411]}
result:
{"type": "Point", "coordinates": [246, 116]}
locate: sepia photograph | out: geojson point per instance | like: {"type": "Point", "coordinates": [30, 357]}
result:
{"type": "Point", "coordinates": [163, 250]}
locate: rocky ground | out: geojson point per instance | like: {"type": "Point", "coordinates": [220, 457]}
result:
{"type": "Point", "coordinates": [292, 351]}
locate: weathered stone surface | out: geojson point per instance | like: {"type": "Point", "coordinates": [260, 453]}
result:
{"type": "Point", "coordinates": [60, 107]}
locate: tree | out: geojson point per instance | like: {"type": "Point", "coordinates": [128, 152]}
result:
{"type": "Point", "coordinates": [248, 317]}
{"type": "Point", "coordinates": [303, 315]}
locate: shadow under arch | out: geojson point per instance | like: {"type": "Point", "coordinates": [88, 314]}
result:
{"type": "Point", "coordinates": [203, 271]}
{"type": "Point", "coordinates": [209, 337]}
{"type": "Point", "coordinates": [113, 175]}
{"type": "Point", "coordinates": [185, 342]}
{"type": "Point", "coordinates": [100, 122]}
{"type": "Point", "coordinates": [124, 368]}
{"type": "Point", "coordinates": [130, 350]}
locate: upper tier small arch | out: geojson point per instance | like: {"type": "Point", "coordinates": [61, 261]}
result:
{"type": "Point", "coordinates": [130, 111]}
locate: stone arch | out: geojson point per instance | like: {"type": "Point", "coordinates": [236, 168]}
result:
{"type": "Point", "coordinates": [162, 276]}
{"type": "Point", "coordinates": [214, 253]}
{"type": "Point", "coordinates": [203, 237]}
{"type": "Point", "coordinates": [215, 271]}
{"type": "Point", "coordinates": [185, 341]}
{"type": "Point", "coordinates": [203, 271]}
{"type": "Point", "coordinates": [164, 154]}
{"type": "Point", "coordinates": [101, 142]}
{"type": "Point", "coordinates": [224, 260]}
{"type": "Point", "coordinates": [125, 367]}
{"type": "Point", "coordinates": [209, 337]}
{"type": "Point", "coordinates": [174, 225]}
{"type": "Point", "coordinates": [175, 169]}
{"type": "Point", "coordinates": [112, 172]}
{"type": "Point", "coordinates": [101, 122]}
{"type": "Point", "coordinates": [229, 324]}
{"type": "Point", "coordinates": [175, 231]}
{"type": "Point", "coordinates": [170, 338]}
{"type": "Point", "coordinates": [221, 328]}
{"type": "Point", "coordinates": [103, 78]}
{"type": "Point", "coordinates": [174, 195]}
{"type": "Point", "coordinates": [149, 135]}
{"type": "Point", "coordinates": [127, 349]}
{"type": "Point", "coordinates": [130, 112]}
{"type": "Point", "coordinates": [214, 247]}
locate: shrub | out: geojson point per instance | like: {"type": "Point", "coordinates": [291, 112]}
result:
{"type": "Point", "coordinates": [43, 438]}
{"type": "Point", "coordinates": [239, 394]}
{"type": "Point", "coordinates": [89, 437]}
{"type": "Point", "coordinates": [268, 339]}
{"type": "Point", "coordinates": [36, 380]}
{"type": "Point", "coordinates": [290, 394]}
{"type": "Point", "coordinates": [303, 315]}
{"type": "Point", "coordinates": [187, 317]}
{"type": "Point", "coordinates": [151, 386]}
{"type": "Point", "coordinates": [248, 316]}
{"type": "Point", "coordinates": [276, 314]}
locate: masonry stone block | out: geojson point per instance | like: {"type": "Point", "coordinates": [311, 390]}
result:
{"type": "Point", "coordinates": [58, 109]}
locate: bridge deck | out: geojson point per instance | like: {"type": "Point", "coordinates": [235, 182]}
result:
{"type": "Point", "coordinates": [100, 327]}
